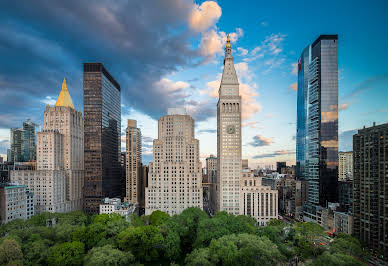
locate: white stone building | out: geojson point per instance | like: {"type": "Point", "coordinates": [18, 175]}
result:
{"type": "Point", "coordinates": [229, 137]}
{"type": "Point", "coordinates": [256, 200]}
{"type": "Point", "coordinates": [174, 178]}
{"type": "Point", "coordinates": [58, 180]}
{"type": "Point", "coordinates": [343, 223]}
{"type": "Point", "coordinates": [16, 202]}
{"type": "Point", "coordinates": [133, 163]}
{"type": "Point", "coordinates": [114, 205]}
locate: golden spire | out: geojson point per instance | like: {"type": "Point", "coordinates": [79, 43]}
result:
{"type": "Point", "coordinates": [64, 98]}
{"type": "Point", "coordinates": [228, 42]}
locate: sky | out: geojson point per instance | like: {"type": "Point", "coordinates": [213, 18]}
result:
{"type": "Point", "coordinates": [170, 54]}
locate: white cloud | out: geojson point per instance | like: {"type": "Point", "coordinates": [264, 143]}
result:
{"type": "Point", "coordinates": [49, 100]}
{"type": "Point", "coordinates": [243, 52]}
{"type": "Point", "coordinates": [204, 16]}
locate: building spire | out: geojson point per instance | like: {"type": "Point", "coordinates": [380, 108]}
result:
{"type": "Point", "coordinates": [228, 45]}
{"type": "Point", "coordinates": [64, 98]}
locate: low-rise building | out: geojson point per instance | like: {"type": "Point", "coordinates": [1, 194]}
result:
{"type": "Point", "coordinates": [256, 200]}
{"type": "Point", "coordinates": [16, 202]}
{"type": "Point", "coordinates": [115, 205]}
{"type": "Point", "coordinates": [343, 223]}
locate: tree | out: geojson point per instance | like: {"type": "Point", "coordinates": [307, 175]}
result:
{"type": "Point", "coordinates": [327, 259]}
{"type": "Point", "coordinates": [158, 218]}
{"type": "Point", "coordinates": [199, 257]}
{"type": "Point", "coordinates": [69, 253]}
{"type": "Point", "coordinates": [244, 249]}
{"type": "Point", "coordinates": [220, 225]}
{"type": "Point", "coordinates": [348, 245]}
{"type": "Point", "coordinates": [107, 255]}
{"type": "Point", "coordinates": [35, 253]}
{"type": "Point", "coordinates": [10, 251]}
{"type": "Point", "coordinates": [145, 242]}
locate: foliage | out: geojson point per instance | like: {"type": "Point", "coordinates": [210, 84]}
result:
{"type": "Point", "coordinates": [190, 238]}
{"type": "Point", "coordinates": [145, 242]}
{"type": "Point", "coordinates": [10, 251]}
{"type": "Point", "coordinates": [107, 255]}
{"type": "Point", "coordinates": [69, 253]}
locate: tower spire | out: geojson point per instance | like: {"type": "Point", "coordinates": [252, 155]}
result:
{"type": "Point", "coordinates": [64, 98]}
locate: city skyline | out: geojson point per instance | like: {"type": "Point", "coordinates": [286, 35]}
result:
{"type": "Point", "coordinates": [181, 67]}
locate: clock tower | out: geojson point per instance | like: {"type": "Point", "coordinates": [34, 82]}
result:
{"type": "Point", "coordinates": [228, 138]}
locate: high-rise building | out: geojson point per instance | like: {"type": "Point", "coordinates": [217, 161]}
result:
{"type": "Point", "coordinates": [301, 131]}
{"type": "Point", "coordinates": [174, 178]}
{"type": "Point", "coordinates": [17, 145]}
{"type": "Point", "coordinates": [58, 179]}
{"type": "Point", "coordinates": [345, 165]}
{"type": "Point", "coordinates": [280, 166]}
{"type": "Point", "coordinates": [229, 137]}
{"type": "Point", "coordinates": [370, 186]}
{"type": "Point", "coordinates": [102, 114]}
{"type": "Point", "coordinates": [321, 114]}
{"type": "Point", "coordinates": [133, 162]}
{"type": "Point", "coordinates": [143, 184]}
{"type": "Point", "coordinates": [29, 141]}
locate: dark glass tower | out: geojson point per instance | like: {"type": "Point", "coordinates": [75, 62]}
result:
{"type": "Point", "coordinates": [102, 114]}
{"type": "Point", "coordinates": [303, 63]}
{"type": "Point", "coordinates": [370, 187]}
{"type": "Point", "coordinates": [317, 135]}
{"type": "Point", "coordinates": [29, 147]}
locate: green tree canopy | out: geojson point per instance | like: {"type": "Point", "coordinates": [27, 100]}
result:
{"type": "Point", "coordinates": [69, 253]}
{"type": "Point", "coordinates": [107, 255]}
{"type": "Point", "coordinates": [10, 251]}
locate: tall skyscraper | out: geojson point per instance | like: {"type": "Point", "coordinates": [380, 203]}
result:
{"type": "Point", "coordinates": [317, 130]}
{"type": "Point", "coordinates": [229, 137]}
{"type": "Point", "coordinates": [17, 145]}
{"type": "Point", "coordinates": [133, 162]}
{"type": "Point", "coordinates": [345, 165]}
{"type": "Point", "coordinates": [29, 141]}
{"type": "Point", "coordinates": [102, 111]}
{"type": "Point", "coordinates": [370, 186]}
{"type": "Point", "coordinates": [174, 178]}
{"type": "Point", "coordinates": [57, 183]}
{"type": "Point", "coordinates": [301, 131]}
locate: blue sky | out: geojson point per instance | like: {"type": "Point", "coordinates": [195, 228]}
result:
{"type": "Point", "coordinates": [169, 53]}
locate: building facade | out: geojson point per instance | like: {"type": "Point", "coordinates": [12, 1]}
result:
{"type": "Point", "coordinates": [174, 178]}
{"type": "Point", "coordinates": [301, 131]}
{"type": "Point", "coordinates": [211, 170]}
{"type": "Point", "coordinates": [102, 114]}
{"type": "Point", "coordinates": [256, 200]}
{"type": "Point", "coordinates": [229, 137]}
{"type": "Point", "coordinates": [16, 150]}
{"type": "Point", "coordinates": [345, 165]}
{"type": "Point", "coordinates": [281, 167]}
{"type": "Point", "coordinates": [29, 141]}
{"type": "Point", "coordinates": [321, 139]}
{"type": "Point", "coordinates": [16, 202]}
{"type": "Point", "coordinates": [133, 163]}
{"type": "Point", "coordinates": [343, 223]}
{"type": "Point", "coordinates": [370, 186]}
{"type": "Point", "coordinates": [58, 179]}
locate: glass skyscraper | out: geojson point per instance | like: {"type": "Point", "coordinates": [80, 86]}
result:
{"type": "Point", "coordinates": [29, 141]}
{"type": "Point", "coordinates": [303, 63]}
{"type": "Point", "coordinates": [317, 122]}
{"type": "Point", "coordinates": [102, 127]}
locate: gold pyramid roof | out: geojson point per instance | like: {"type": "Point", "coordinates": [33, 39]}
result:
{"type": "Point", "coordinates": [64, 98]}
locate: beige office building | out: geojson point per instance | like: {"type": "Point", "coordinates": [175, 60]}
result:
{"type": "Point", "coordinates": [345, 165]}
{"type": "Point", "coordinates": [58, 180]}
{"type": "Point", "coordinates": [133, 163]}
{"type": "Point", "coordinates": [174, 177]}
{"type": "Point", "coordinates": [229, 137]}
{"type": "Point", "coordinates": [256, 200]}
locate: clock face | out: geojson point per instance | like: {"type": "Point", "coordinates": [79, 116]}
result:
{"type": "Point", "coordinates": [231, 129]}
